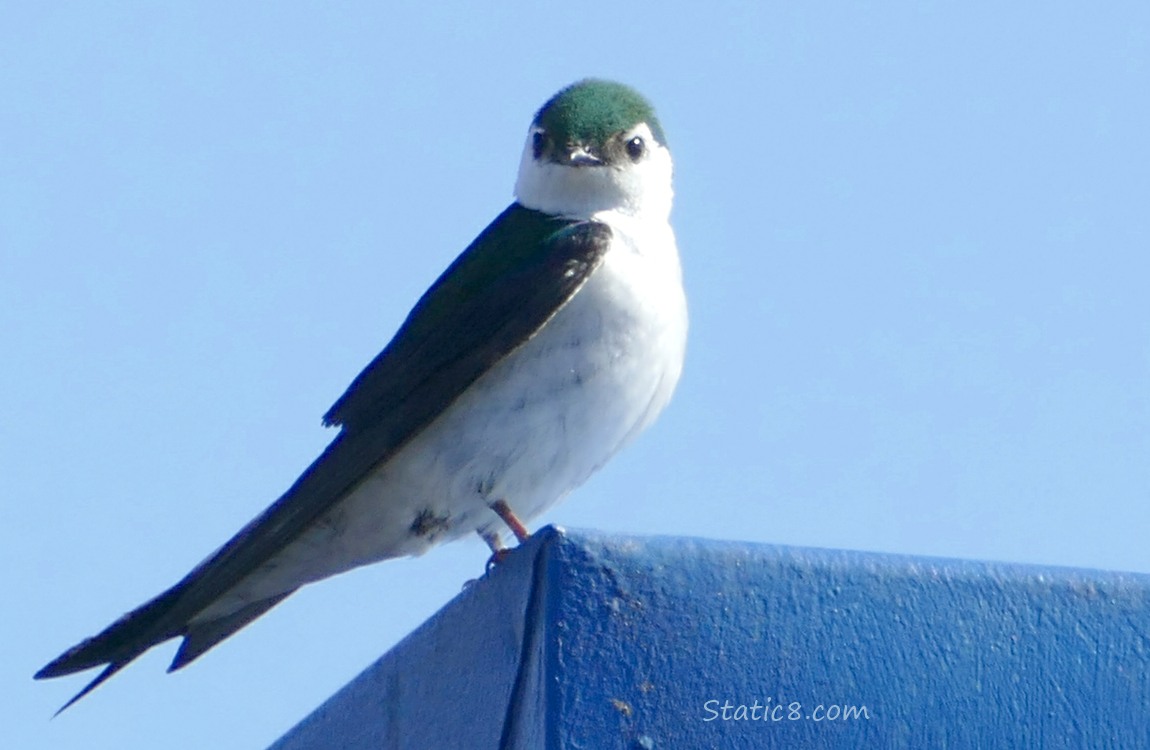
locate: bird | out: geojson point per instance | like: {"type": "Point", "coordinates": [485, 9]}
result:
{"type": "Point", "coordinates": [548, 344]}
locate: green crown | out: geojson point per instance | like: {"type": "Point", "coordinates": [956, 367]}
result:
{"type": "Point", "coordinates": [593, 110]}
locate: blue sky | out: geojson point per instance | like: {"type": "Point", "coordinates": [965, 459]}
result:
{"type": "Point", "coordinates": [915, 243]}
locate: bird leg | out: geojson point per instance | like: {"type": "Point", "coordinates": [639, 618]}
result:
{"type": "Point", "coordinates": [492, 540]}
{"type": "Point", "coordinates": [498, 551]}
{"type": "Point", "coordinates": [503, 510]}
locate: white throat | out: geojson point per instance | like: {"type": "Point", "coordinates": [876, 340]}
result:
{"type": "Point", "coordinates": [641, 189]}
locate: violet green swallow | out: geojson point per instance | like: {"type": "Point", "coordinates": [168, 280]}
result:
{"type": "Point", "coordinates": [553, 340]}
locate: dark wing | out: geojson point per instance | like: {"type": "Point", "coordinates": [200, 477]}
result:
{"type": "Point", "coordinates": [502, 289]}
{"type": "Point", "coordinates": [508, 283]}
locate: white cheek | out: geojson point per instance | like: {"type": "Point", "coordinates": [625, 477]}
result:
{"type": "Point", "coordinates": [639, 189]}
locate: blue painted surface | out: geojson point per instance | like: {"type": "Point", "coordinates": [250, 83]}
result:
{"type": "Point", "coordinates": [581, 640]}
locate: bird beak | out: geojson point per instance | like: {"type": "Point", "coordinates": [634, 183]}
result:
{"type": "Point", "coordinates": [579, 156]}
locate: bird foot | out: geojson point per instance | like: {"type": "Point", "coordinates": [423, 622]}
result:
{"type": "Point", "coordinates": [497, 557]}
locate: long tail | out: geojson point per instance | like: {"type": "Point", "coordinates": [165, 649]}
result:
{"type": "Point", "coordinates": [136, 632]}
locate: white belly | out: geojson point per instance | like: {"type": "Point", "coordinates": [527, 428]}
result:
{"type": "Point", "coordinates": [528, 432]}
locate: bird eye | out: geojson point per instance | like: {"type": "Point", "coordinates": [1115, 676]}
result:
{"type": "Point", "coordinates": [636, 148]}
{"type": "Point", "coordinates": [538, 143]}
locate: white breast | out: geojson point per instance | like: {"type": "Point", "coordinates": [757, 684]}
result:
{"type": "Point", "coordinates": [528, 432]}
{"type": "Point", "coordinates": [543, 420]}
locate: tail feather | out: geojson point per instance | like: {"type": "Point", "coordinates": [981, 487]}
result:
{"type": "Point", "coordinates": [200, 637]}
{"type": "Point", "coordinates": [144, 627]}
{"type": "Point", "coordinates": [107, 672]}
{"type": "Point", "coordinates": [116, 646]}
{"type": "Point", "coordinates": [119, 643]}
